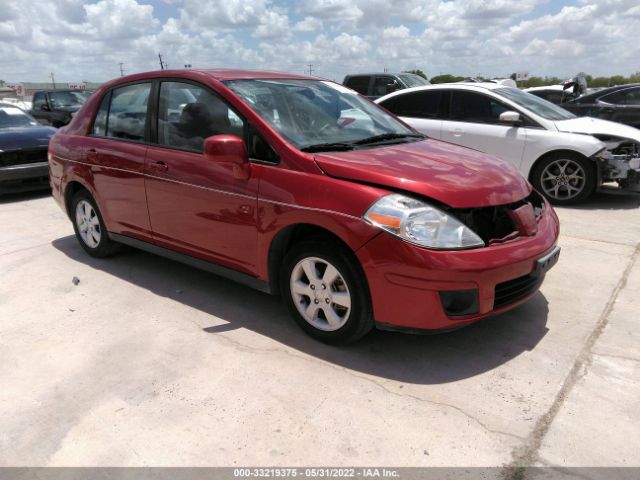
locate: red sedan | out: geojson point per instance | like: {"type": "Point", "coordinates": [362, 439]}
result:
{"type": "Point", "coordinates": [301, 187]}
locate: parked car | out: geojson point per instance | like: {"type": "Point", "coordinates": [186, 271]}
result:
{"type": "Point", "coordinates": [23, 151]}
{"type": "Point", "coordinates": [258, 179]}
{"type": "Point", "coordinates": [618, 104]}
{"type": "Point", "coordinates": [57, 107]}
{"type": "Point", "coordinates": [375, 85]}
{"type": "Point", "coordinates": [565, 157]}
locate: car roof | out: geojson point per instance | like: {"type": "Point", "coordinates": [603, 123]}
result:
{"type": "Point", "coordinates": [475, 86]}
{"type": "Point", "coordinates": [606, 91]}
{"type": "Point", "coordinates": [558, 88]}
{"type": "Point", "coordinates": [391, 74]}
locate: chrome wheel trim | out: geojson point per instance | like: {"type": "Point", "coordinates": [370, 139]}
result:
{"type": "Point", "coordinates": [320, 294]}
{"type": "Point", "coordinates": [88, 224]}
{"type": "Point", "coordinates": [563, 179]}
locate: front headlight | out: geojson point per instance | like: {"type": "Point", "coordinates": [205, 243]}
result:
{"type": "Point", "coordinates": [420, 223]}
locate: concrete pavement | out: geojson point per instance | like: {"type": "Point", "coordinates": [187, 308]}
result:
{"type": "Point", "coordinates": [149, 362]}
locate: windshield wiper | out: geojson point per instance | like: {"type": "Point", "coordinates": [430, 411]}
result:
{"type": "Point", "coordinates": [388, 136]}
{"type": "Point", "coordinates": [328, 147]}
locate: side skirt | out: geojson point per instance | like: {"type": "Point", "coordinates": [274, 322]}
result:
{"type": "Point", "coordinates": [229, 273]}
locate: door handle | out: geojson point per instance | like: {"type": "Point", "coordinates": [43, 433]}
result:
{"type": "Point", "coordinates": [92, 155]}
{"type": "Point", "coordinates": [159, 166]}
{"type": "Point", "coordinates": [457, 132]}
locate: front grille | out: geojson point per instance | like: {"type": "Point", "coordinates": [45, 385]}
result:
{"type": "Point", "coordinates": [493, 224]}
{"type": "Point", "coordinates": [513, 290]}
{"type": "Point", "coordinates": [23, 157]}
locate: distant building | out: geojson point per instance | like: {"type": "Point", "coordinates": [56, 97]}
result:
{"type": "Point", "coordinates": [25, 90]}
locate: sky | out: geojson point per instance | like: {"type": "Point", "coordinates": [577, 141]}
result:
{"type": "Point", "coordinates": [87, 40]}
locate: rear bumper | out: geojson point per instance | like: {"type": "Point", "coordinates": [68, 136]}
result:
{"type": "Point", "coordinates": [406, 281]}
{"type": "Point", "coordinates": [29, 176]}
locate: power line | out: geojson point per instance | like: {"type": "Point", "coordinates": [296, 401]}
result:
{"type": "Point", "coordinates": [121, 69]}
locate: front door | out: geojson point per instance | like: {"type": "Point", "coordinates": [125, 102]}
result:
{"type": "Point", "coordinates": [196, 205]}
{"type": "Point", "coordinates": [473, 121]}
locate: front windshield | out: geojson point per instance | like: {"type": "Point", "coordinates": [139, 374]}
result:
{"type": "Point", "coordinates": [11, 117]}
{"type": "Point", "coordinates": [537, 105]}
{"type": "Point", "coordinates": [311, 113]}
{"type": "Point", "coordinates": [412, 80]}
{"type": "Point", "coordinates": [67, 99]}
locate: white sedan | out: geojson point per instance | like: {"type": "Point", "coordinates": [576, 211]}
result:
{"type": "Point", "coordinates": [565, 157]}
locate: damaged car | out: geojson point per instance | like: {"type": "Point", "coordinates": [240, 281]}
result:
{"type": "Point", "coordinates": [565, 157]}
{"type": "Point", "coordinates": [302, 187]}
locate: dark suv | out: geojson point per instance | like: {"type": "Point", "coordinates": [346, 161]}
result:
{"type": "Point", "coordinates": [376, 85]}
{"type": "Point", "coordinates": [57, 107]}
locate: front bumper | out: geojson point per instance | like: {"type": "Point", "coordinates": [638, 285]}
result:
{"type": "Point", "coordinates": [406, 281]}
{"type": "Point", "coordinates": [30, 176]}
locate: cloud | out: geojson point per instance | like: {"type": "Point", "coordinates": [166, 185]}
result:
{"type": "Point", "coordinates": [80, 39]}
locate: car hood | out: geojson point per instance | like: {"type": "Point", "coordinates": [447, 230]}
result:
{"type": "Point", "coordinates": [456, 176]}
{"type": "Point", "coordinates": [594, 126]}
{"type": "Point", "coordinates": [25, 137]}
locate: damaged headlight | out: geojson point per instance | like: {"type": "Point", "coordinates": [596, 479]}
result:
{"type": "Point", "coordinates": [420, 223]}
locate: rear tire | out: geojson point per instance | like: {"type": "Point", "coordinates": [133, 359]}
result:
{"type": "Point", "coordinates": [89, 226]}
{"type": "Point", "coordinates": [326, 292]}
{"type": "Point", "coordinates": [565, 178]}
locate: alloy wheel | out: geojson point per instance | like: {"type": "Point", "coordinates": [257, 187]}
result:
{"type": "Point", "coordinates": [563, 179]}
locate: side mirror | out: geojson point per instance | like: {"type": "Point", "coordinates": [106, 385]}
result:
{"type": "Point", "coordinates": [229, 149]}
{"type": "Point", "coordinates": [510, 117]}
{"type": "Point", "coordinates": [45, 107]}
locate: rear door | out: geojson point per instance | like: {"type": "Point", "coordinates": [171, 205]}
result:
{"type": "Point", "coordinates": [197, 206]}
{"type": "Point", "coordinates": [422, 110]}
{"type": "Point", "coordinates": [473, 121]}
{"type": "Point", "coordinates": [116, 148]}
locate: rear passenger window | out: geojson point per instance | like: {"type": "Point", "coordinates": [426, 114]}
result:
{"type": "Point", "coordinates": [359, 84]}
{"type": "Point", "coordinates": [128, 112]}
{"type": "Point", "coordinates": [187, 114]}
{"type": "Point", "coordinates": [418, 104]}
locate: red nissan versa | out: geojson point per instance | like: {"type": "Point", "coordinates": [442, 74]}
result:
{"type": "Point", "coordinates": [300, 186]}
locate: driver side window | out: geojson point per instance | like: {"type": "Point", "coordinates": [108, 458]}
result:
{"type": "Point", "coordinates": [475, 108]}
{"type": "Point", "coordinates": [187, 114]}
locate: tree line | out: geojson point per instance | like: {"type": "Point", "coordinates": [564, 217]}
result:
{"type": "Point", "coordinates": [540, 81]}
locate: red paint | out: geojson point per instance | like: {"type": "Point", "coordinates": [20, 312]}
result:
{"type": "Point", "coordinates": [230, 212]}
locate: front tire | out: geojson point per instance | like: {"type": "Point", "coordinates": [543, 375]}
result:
{"type": "Point", "coordinates": [565, 178]}
{"type": "Point", "coordinates": [326, 292]}
{"type": "Point", "coordinates": [89, 226]}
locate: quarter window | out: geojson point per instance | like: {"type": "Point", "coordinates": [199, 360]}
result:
{"type": "Point", "coordinates": [475, 107]}
{"type": "Point", "coordinates": [187, 114]}
{"type": "Point", "coordinates": [100, 123]}
{"type": "Point", "coordinates": [128, 112]}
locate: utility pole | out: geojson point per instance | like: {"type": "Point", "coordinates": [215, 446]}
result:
{"type": "Point", "coordinates": [121, 70]}
{"type": "Point", "coordinates": [162, 64]}
{"type": "Point", "coordinates": [310, 69]}
{"type": "Point", "coordinates": [53, 80]}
